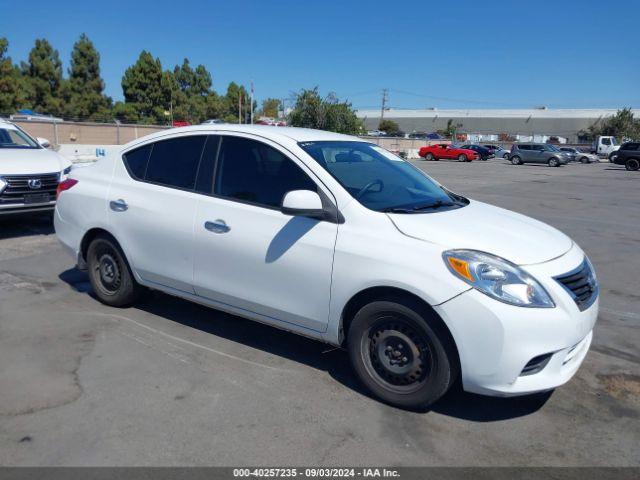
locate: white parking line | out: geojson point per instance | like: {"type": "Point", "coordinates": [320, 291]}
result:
{"type": "Point", "coordinates": [181, 340]}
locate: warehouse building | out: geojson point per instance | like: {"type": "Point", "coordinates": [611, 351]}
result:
{"type": "Point", "coordinates": [536, 124]}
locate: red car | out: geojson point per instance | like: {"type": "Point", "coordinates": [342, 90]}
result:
{"type": "Point", "coordinates": [436, 152]}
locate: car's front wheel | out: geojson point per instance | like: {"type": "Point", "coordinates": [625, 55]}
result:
{"type": "Point", "coordinates": [553, 162]}
{"type": "Point", "coordinates": [399, 356]}
{"type": "Point", "coordinates": [632, 164]}
{"type": "Point", "coordinates": [584, 160]}
{"type": "Point", "coordinates": [506, 156]}
{"type": "Point", "coordinates": [109, 273]}
{"type": "Point", "coordinates": [462, 157]}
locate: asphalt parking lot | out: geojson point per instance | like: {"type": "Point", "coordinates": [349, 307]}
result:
{"type": "Point", "coordinates": [171, 383]}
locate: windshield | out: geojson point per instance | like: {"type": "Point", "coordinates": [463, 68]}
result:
{"type": "Point", "coordinates": [13, 138]}
{"type": "Point", "coordinates": [380, 180]}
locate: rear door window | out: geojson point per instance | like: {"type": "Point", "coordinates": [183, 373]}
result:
{"type": "Point", "coordinates": [174, 163]}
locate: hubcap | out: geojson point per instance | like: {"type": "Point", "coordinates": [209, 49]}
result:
{"type": "Point", "coordinates": [399, 355]}
{"type": "Point", "coordinates": [109, 272]}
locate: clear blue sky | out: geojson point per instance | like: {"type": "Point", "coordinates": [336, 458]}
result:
{"type": "Point", "coordinates": [483, 54]}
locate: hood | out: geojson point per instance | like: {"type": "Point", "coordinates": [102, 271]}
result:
{"type": "Point", "coordinates": [17, 161]}
{"type": "Point", "coordinates": [479, 226]}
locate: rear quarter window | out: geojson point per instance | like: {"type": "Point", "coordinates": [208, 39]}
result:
{"type": "Point", "coordinates": [136, 161]}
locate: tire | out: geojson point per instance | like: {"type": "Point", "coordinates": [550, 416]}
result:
{"type": "Point", "coordinates": [506, 156]}
{"type": "Point", "coordinates": [516, 160]}
{"type": "Point", "coordinates": [109, 273]}
{"type": "Point", "coordinates": [553, 162]}
{"type": "Point", "coordinates": [632, 164]}
{"type": "Point", "coordinates": [429, 156]}
{"type": "Point", "coordinates": [462, 158]}
{"type": "Point", "coordinates": [612, 158]}
{"type": "Point", "coordinates": [584, 160]}
{"type": "Point", "coordinates": [400, 356]}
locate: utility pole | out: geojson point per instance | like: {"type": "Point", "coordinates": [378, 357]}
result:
{"type": "Point", "coordinates": [251, 100]}
{"type": "Point", "coordinates": [385, 98]}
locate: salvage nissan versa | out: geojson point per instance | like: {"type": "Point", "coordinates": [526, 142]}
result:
{"type": "Point", "coordinates": [335, 238]}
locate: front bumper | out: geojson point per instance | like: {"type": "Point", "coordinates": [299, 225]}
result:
{"type": "Point", "coordinates": [22, 208]}
{"type": "Point", "coordinates": [496, 341]}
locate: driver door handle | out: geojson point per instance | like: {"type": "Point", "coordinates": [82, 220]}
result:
{"type": "Point", "coordinates": [217, 226]}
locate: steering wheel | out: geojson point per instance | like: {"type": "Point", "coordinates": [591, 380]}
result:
{"type": "Point", "coordinates": [368, 186]}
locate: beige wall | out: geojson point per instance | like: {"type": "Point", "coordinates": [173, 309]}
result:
{"type": "Point", "coordinates": [87, 133]}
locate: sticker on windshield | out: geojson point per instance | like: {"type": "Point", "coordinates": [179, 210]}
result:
{"type": "Point", "coordinates": [387, 153]}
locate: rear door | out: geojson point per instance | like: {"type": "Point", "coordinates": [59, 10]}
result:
{"type": "Point", "coordinates": [151, 208]}
{"type": "Point", "coordinates": [251, 256]}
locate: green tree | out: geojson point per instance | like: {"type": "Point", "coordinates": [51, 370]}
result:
{"type": "Point", "coordinates": [234, 93]}
{"type": "Point", "coordinates": [270, 107]}
{"type": "Point", "coordinates": [190, 92]}
{"type": "Point", "coordinates": [147, 86]}
{"type": "Point", "coordinates": [312, 111]}
{"type": "Point", "coordinates": [83, 92]}
{"type": "Point", "coordinates": [13, 86]}
{"type": "Point", "coordinates": [44, 74]}
{"type": "Point", "coordinates": [621, 125]}
{"type": "Point", "coordinates": [389, 126]}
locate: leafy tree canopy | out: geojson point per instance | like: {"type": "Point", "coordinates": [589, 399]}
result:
{"type": "Point", "coordinates": [313, 111]}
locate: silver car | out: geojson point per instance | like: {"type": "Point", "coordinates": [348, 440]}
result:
{"type": "Point", "coordinates": [538, 153]}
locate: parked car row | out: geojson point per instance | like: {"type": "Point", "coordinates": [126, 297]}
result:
{"type": "Point", "coordinates": [519, 154]}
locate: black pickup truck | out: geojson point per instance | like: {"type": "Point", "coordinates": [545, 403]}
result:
{"type": "Point", "coordinates": [628, 155]}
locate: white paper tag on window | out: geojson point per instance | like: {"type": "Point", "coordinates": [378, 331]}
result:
{"type": "Point", "coordinates": [387, 154]}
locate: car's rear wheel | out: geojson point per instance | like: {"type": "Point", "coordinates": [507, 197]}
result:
{"type": "Point", "coordinates": [632, 164]}
{"type": "Point", "coordinates": [462, 157]}
{"type": "Point", "coordinates": [553, 162]}
{"type": "Point", "coordinates": [516, 160]}
{"type": "Point", "coordinates": [109, 273]}
{"type": "Point", "coordinates": [429, 156]}
{"type": "Point", "coordinates": [399, 356]}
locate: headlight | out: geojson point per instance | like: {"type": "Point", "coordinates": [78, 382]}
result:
{"type": "Point", "coordinates": [497, 278]}
{"type": "Point", "coordinates": [64, 173]}
{"type": "Point", "coordinates": [3, 185]}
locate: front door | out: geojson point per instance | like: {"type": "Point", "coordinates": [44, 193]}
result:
{"type": "Point", "coordinates": [248, 254]}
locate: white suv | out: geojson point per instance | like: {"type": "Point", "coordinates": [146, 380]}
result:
{"type": "Point", "coordinates": [29, 172]}
{"type": "Point", "coordinates": [335, 238]}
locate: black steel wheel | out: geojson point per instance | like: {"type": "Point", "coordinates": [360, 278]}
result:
{"type": "Point", "coordinates": [400, 354]}
{"type": "Point", "coordinates": [109, 273]}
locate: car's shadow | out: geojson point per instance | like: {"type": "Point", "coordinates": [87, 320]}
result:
{"type": "Point", "coordinates": [23, 225]}
{"type": "Point", "coordinates": [335, 361]}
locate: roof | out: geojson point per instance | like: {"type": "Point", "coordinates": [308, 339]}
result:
{"type": "Point", "coordinates": [269, 132]}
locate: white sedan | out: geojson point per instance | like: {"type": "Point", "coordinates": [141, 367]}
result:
{"type": "Point", "coordinates": [332, 237]}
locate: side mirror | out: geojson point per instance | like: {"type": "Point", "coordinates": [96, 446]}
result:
{"type": "Point", "coordinates": [43, 142]}
{"type": "Point", "coordinates": [303, 203]}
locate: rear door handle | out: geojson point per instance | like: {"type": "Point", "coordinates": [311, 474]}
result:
{"type": "Point", "coordinates": [118, 205]}
{"type": "Point", "coordinates": [218, 226]}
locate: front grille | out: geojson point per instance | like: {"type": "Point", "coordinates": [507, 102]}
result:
{"type": "Point", "coordinates": [581, 285]}
{"type": "Point", "coordinates": [18, 186]}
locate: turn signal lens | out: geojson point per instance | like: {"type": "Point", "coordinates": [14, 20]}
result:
{"type": "Point", "coordinates": [65, 185]}
{"type": "Point", "coordinates": [461, 267]}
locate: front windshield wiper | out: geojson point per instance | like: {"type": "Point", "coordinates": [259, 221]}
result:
{"type": "Point", "coordinates": [428, 206]}
{"type": "Point", "coordinates": [435, 205]}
